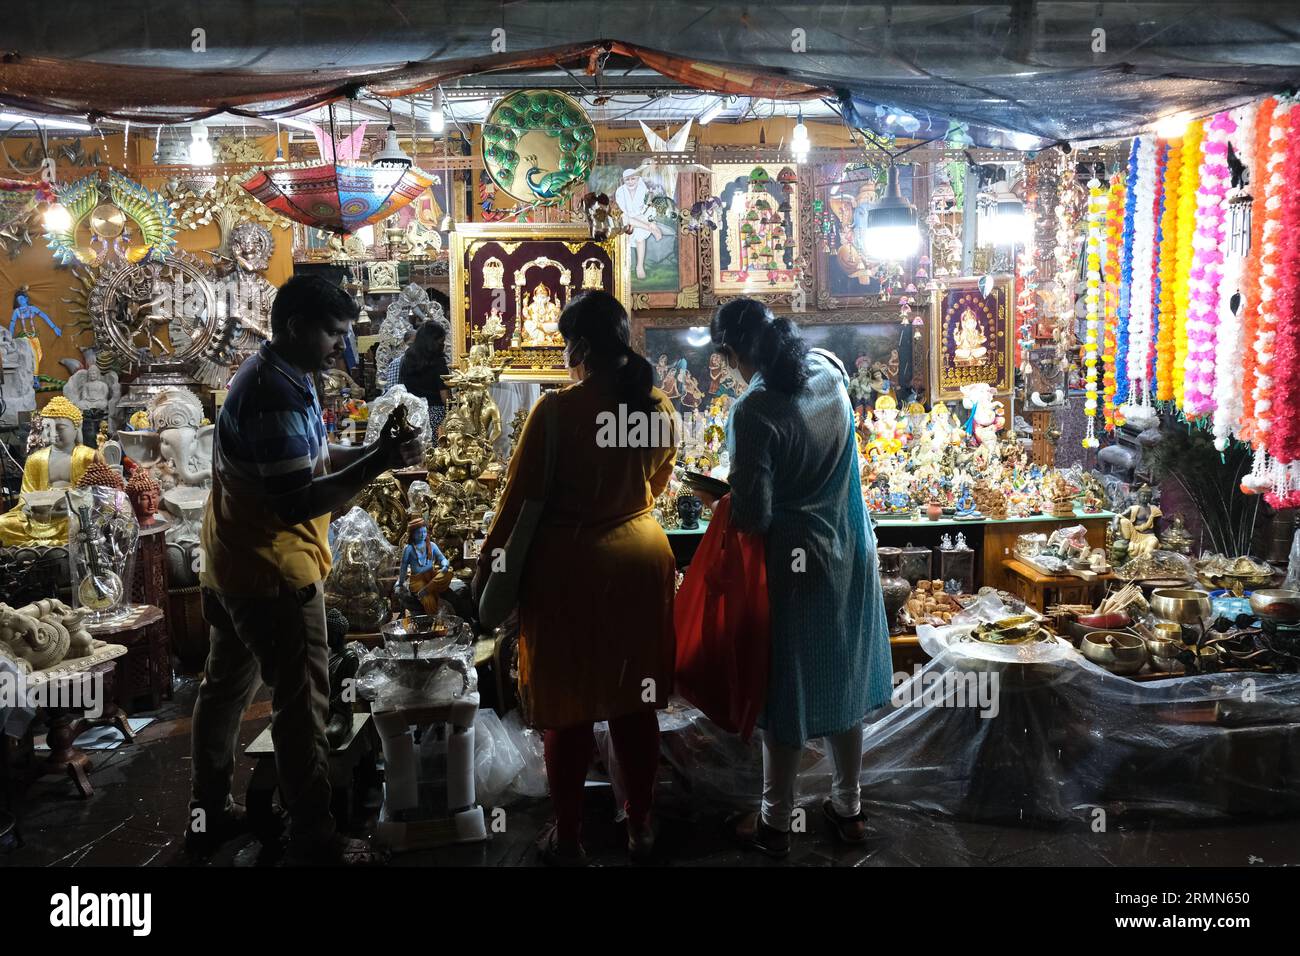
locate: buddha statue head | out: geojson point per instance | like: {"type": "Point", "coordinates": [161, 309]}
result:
{"type": "Point", "coordinates": [62, 423]}
{"type": "Point", "coordinates": [145, 495]}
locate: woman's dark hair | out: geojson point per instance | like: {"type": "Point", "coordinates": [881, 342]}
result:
{"type": "Point", "coordinates": [770, 343]}
{"type": "Point", "coordinates": [427, 348]}
{"type": "Point", "coordinates": [310, 297]}
{"type": "Point", "coordinates": [601, 321]}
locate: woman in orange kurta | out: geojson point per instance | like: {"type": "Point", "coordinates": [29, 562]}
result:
{"type": "Point", "coordinates": [596, 602]}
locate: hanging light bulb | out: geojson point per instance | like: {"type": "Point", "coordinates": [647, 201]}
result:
{"type": "Point", "coordinates": [800, 144]}
{"type": "Point", "coordinates": [891, 234]}
{"type": "Point", "coordinates": [392, 154]}
{"type": "Point", "coordinates": [279, 152]}
{"type": "Point", "coordinates": [200, 148]}
{"type": "Point", "coordinates": [437, 120]}
{"type": "Point", "coordinates": [57, 218]}
{"type": "Point", "coordinates": [712, 112]}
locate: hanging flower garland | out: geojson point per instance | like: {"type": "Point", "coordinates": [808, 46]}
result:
{"type": "Point", "coordinates": [1284, 440]}
{"type": "Point", "coordinates": [1161, 153]}
{"type": "Point", "coordinates": [1110, 258]}
{"type": "Point", "coordinates": [1142, 235]}
{"type": "Point", "coordinates": [1250, 282]}
{"type": "Point", "coordinates": [1187, 201]}
{"type": "Point", "coordinates": [1165, 351]}
{"type": "Point", "coordinates": [1230, 341]}
{"type": "Point", "coordinates": [1122, 329]}
{"type": "Point", "coordinates": [1092, 305]}
{"type": "Point", "coordinates": [1210, 245]}
{"type": "Point", "coordinates": [1269, 273]}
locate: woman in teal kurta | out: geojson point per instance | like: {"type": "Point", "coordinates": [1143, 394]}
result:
{"type": "Point", "coordinates": [795, 477]}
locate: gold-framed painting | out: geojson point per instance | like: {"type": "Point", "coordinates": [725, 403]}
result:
{"type": "Point", "coordinates": [759, 249]}
{"type": "Point", "coordinates": [522, 275]}
{"type": "Point", "coordinates": [972, 339]}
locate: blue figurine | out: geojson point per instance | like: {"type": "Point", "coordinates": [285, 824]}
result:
{"type": "Point", "coordinates": [419, 558]}
{"type": "Point", "coordinates": [23, 325]}
{"type": "Point", "coordinates": [26, 313]}
{"type": "Point", "coordinates": [965, 503]}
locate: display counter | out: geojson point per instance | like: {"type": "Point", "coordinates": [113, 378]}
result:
{"type": "Point", "coordinates": [992, 540]}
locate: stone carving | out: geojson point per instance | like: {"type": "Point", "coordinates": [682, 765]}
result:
{"type": "Point", "coordinates": [42, 634]}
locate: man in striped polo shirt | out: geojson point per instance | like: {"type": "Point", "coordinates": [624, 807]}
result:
{"type": "Point", "coordinates": [265, 556]}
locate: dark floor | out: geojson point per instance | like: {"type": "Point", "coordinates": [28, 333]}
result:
{"type": "Point", "coordinates": [138, 812]}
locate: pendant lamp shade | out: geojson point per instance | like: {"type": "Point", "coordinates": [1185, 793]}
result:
{"type": "Point", "coordinates": [337, 197]}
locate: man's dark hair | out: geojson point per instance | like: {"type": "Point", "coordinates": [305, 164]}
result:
{"type": "Point", "coordinates": [312, 298]}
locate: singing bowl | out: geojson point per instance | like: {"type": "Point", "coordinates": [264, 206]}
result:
{"type": "Point", "coordinates": [1104, 622]}
{"type": "Point", "coordinates": [1276, 604]}
{"type": "Point", "coordinates": [1163, 654]}
{"type": "Point", "coordinates": [1118, 652]}
{"type": "Point", "coordinates": [1181, 605]}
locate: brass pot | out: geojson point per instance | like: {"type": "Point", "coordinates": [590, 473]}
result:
{"type": "Point", "coordinates": [1181, 605]}
{"type": "Point", "coordinates": [1118, 652]}
{"type": "Point", "coordinates": [1276, 604]}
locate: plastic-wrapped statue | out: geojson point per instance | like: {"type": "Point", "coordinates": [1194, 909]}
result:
{"type": "Point", "coordinates": [19, 389]}
{"type": "Point", "coordinates": [425, 572]}
{"type": "Point", "coordinates": [353, 587]}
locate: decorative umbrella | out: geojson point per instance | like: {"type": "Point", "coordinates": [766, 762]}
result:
{"type": "Point", "coordinates": [337, 197]}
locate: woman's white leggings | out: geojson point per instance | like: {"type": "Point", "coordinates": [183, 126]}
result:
{"type": "Point", "coordinates": [781, 773]}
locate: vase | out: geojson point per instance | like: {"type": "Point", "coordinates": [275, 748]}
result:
{"type": "Point", "coordinates": [895, 588]}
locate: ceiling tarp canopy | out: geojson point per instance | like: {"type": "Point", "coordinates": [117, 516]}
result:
{"type": "Point", "coordinates": [1050, 71]}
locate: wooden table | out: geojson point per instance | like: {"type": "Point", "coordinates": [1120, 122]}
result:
{"type": "Point", "coordinates": [67, 723]}
{"type": "Point", "coordinates": [1041, 590]}
{"type": "Point", "coordinates": [146, 669]}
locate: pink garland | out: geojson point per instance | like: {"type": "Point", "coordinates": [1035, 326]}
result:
{"type": "Point", "coordinates": [1210, 245]}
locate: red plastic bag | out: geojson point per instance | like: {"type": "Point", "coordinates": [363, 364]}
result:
{"type": "Point", "coordinates": [721, 613]}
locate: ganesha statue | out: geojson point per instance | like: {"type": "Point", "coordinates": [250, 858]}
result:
{"type": "Point", "coordinates": [184, 440]}
{"type": "Point", "coordinates": [987, 417]}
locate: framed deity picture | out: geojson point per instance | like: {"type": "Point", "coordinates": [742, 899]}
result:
{"type": "Point", "coordinates": [846, 274]}
{"type": "Point", "coordinates": [972, 339]}
{"type": "Point", "coordinates": [662, 256]}
{"type": "Point", "coordinates": [510, 282]}
{"type": "Point", "coordinates": [758, 248]}
{"type": "Point", "coordinates": [875, 350]}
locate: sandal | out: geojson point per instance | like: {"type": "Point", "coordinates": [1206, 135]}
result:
{"type": "Point", "coordinates": [850, 830]}
{"type": "Point", "coordinates": [337, 851]}
{"type": "Point", "coordinates": [749, 830]}
{"type": "Point", "coordinates": [640, 842]}
{"type": "Point", "coordinates": [553, 854]}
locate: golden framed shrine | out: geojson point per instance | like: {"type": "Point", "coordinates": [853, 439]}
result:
{"type": "Point", "coordinates": [972, 338]}
{"type": "Point", "coordinates": [523, 275]}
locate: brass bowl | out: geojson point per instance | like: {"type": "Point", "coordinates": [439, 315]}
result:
{"type": "Point", "coordinates": [1012, 629]}
{"type": "Point", "coordinates": [1181, 605]}
{"type": "Point", "coordinates": [1163, 654]}
{"type": "Point", "coordinates": [1118, 652]}
{"type": "Point", "coordinates": [1276, 604]}
{"type": "Point", "coordinates": [1169, 632]}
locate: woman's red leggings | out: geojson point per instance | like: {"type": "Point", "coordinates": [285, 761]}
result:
{"type": "Point", "coordinates": [568, 757]}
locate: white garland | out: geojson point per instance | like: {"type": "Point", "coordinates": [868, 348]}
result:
{"type": "Point", "coordinates": [1144, 241]}
{"type": "Point", "coordinates": [1094, 250]}
{"type": "Point", "coordinates": [1230, 347]}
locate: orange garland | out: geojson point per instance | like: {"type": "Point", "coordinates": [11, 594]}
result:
{"type": "Point", "coordinates": [1110, 309]}
{"type": "Point", "coordinates": [1168, 245]}
{"type": "Point", "coordinates": [1250, 276]}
